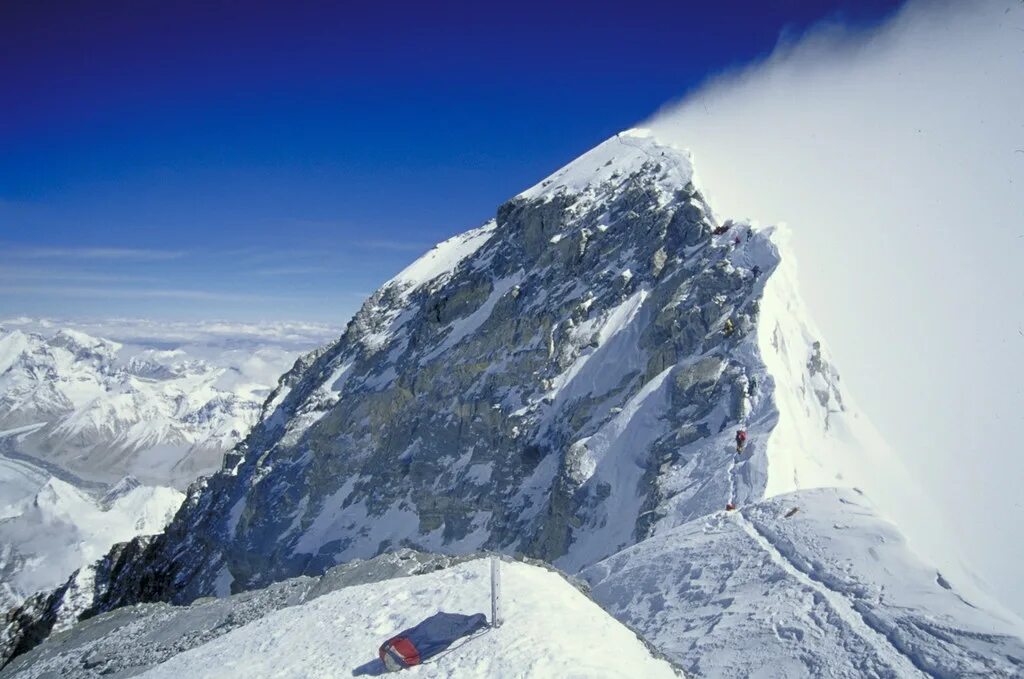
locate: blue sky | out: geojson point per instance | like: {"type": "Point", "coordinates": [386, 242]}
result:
{"type": "Point", "coordinates": [280, 160]}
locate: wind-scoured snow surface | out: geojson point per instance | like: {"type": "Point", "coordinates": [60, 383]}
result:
{"type": "Point", "coordinates": [545, 621]}
{"type": "Point", "coordinates": [808, 584]}
{"type": "Point", "coordinates": [303, 629]}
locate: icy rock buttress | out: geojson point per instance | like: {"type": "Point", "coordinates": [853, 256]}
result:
{"type": "Point", "coordinates": [562, 382]}
{"type": "Point", "coordinates": [555, 383]}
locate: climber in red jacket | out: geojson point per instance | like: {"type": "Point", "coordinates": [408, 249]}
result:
{"type": "Point", "coordinates": [741, 440]}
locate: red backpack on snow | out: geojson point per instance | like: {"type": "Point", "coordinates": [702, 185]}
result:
{"type": "Point", "coordinates": [398, 653]}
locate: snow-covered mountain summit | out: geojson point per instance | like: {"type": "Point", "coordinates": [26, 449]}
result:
{"type": "Point", "coordinates": [558, 382]}
{"type": "Point", "coordinates": [566, 381]}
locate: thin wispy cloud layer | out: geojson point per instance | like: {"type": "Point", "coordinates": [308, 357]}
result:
{"type": "Point", "coordinates": [392, 246]}
{"type": "Point", "coordinates": [10, 273]}
{"type": "Point", "coordinates": [894, 155]}
{"type": "Point", "coordinates": [139, 293]}
{"type": "Point", "coordinates": [325, 283]}
{"type": "Point", "coordinates": [91, 253]}
{"type": "Point", "coordinates": [286, 334]}
{"type": "Point", "coordinates": [293, 271]}
{"type": "Point", "coordinates": [263, 255]}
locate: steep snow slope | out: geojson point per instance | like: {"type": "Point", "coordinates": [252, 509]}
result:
{"type": "Point", "coordinates": [811, 583]}
{"type": "Point", "coordinates": [110, 409]}
{"type": "Point", "coordinates": [822, 439]}
{"type": "Point", "coordinates": [19, 481]}
{"type": "Point", "coordinates": [304, 629]}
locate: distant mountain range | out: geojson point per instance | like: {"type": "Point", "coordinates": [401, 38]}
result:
{"type": "Point", "coordinates": [83, 418]}
{"type": "Point", "coordinates": [162, 409]}
{"type": "Point", "coordinates": [49, 528]}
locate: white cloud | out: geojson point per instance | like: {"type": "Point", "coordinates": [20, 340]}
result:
{"type": "Point", "coordinates": [393, 245]}
{"type": "Point", "coordinates": [893, 155]}
{"type": "Point", "coordinates": [91, 253]}
{"type": "Point", "coordinates": [49, 273]}
{"type": "Point", "coordinates": [292, 335]}
{"type": "Point", "coordinates": [137, 293]}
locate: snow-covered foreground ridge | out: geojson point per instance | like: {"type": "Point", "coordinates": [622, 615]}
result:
{"type": "Point", "coordinates": [565, 382]}
{"type": "Point", "coordinates": [332, 626]}
{"type": "Point", "coordinates": [809, 584]}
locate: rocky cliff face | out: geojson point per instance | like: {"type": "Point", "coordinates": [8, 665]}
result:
{"type": "Point", "coordinates": [562, 382]}
{"type": "Point", "coordinates": [556, 382]}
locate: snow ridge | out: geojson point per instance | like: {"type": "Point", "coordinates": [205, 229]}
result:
{"type": "Point", "coordinates": [331, 626]}
{"type": "Point", "coordinates": [810, 583]}
{"type": "Point", "coordinates": [900, 664]}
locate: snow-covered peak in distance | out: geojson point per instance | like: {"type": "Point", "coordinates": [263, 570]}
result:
{"type": "Point", "coordinates": [74, 405]}
{"type": "Point", "coordinates": [164, 409]}
{"type": "Point", "coordinates": [118, 491]}
{"type": "Point", "coordinates": [85, 346]}
{"type": "Point", "coordinates": [49, 528]}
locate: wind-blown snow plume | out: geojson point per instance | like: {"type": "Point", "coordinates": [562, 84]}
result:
{"type": "Point", "coordinates": [897, 156]}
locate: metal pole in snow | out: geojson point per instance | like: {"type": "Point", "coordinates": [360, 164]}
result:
{"type": "Point", "coordinates": [495, 592]}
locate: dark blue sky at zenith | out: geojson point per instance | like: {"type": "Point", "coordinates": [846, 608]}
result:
{"type": "Point", "coordinates": [248, 160]}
